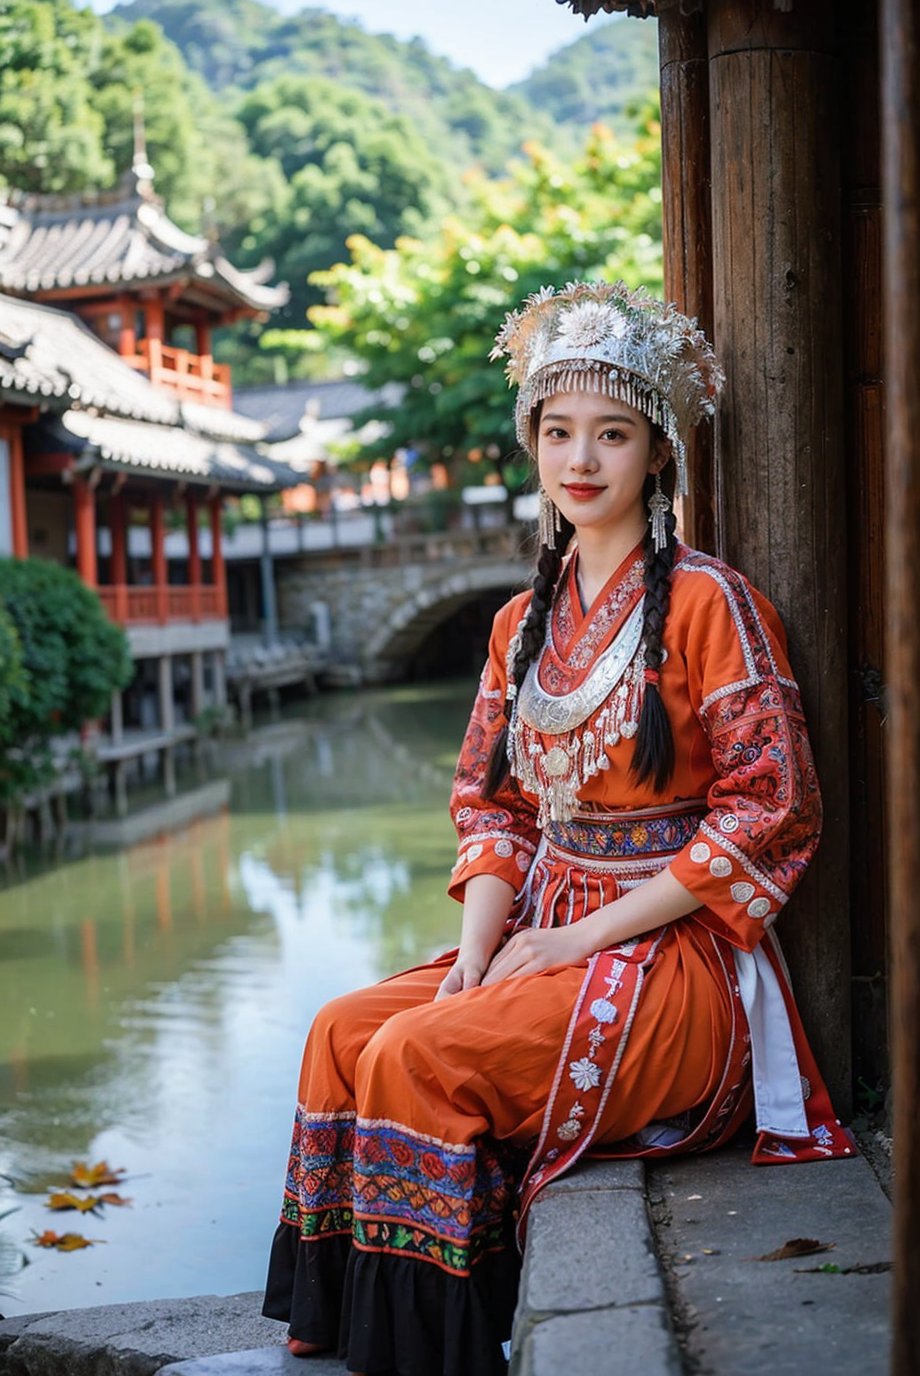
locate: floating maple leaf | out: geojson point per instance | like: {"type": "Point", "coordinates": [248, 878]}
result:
{"type": "Point", "coordinates": [118, 1200]}
{"type": "Point", "coordinates": [63, 1199]}
{"type": "Point", "coordinates": [63, 1242]}
{"type": "Point", "coordinates": [88, 1177]}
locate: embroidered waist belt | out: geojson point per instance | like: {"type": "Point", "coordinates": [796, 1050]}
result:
{"type": "Point", "coordinates": [626, 835]}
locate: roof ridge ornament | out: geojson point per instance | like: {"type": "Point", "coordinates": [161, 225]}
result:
{"type": "Point", "coordinates": [140, 164]}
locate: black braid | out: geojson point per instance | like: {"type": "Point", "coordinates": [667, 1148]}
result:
{"type": "Point", "coordinates": [533, 632]}
{"type": "Point", "coordinates": [653, 755]}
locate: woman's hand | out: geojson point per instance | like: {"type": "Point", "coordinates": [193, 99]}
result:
{"type": "Point", "coordinates": [465, 973]}
{"type": "Point", "coordinates": [536, 949]}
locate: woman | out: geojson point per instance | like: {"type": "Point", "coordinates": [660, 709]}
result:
{"type": "Point", "coordinates": [635, 801]}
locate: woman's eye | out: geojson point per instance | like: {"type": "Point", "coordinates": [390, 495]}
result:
{"type": "Point", "coordinates": [555, 432]}
{"type": "Point", "coordinates": [612, 435]}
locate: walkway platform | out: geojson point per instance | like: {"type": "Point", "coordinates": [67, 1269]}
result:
{"type": "Point", "coordinates": [662, 1271]}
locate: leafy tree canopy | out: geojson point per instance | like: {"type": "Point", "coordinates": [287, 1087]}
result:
{"type": "Point", "coordinates": [425, 312]}
{"type": "Point", "coordinates": [68, 83]}
{"type": "Point", "coordinates": [351, 166]}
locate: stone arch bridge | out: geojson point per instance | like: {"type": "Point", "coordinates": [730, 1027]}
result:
{"type": "Point", "coordinates": [379, 603]}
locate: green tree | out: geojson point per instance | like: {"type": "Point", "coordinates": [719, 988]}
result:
{"type": "Point", "coordinates": [51, 137]}
{"type": "Point", "coordinates": [72, 659]}
{"type": "Point", "coordinates": [425, 312]}
{"type": "Point", "coordinates": [351, 166]}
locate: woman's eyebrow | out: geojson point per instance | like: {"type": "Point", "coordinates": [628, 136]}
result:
{"type": "Point", "coordinates": [622, 420]}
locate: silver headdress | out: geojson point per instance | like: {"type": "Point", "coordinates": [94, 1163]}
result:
{"type": "Point", "coordinates": [602, 337]}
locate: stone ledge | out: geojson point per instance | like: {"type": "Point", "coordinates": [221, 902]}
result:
{"type": "Point", "coordinates": [617, 1342]}
{"type": "Point", "coordinates": [133, 1339]}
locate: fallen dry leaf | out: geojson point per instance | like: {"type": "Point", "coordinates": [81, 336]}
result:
{"type": "Point", "coordinates": [63, 1242]}
{"type": "Point", "coordinates": [117, 1200]}
{"type": "Point", "coordinates": [88, 1177]}
{"type": "Point", "coordinates": [797, 1247]}
{"type": "Point", "coordinates": [63, 1199]}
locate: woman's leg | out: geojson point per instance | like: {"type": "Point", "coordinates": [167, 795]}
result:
{"type": "Point", "coordinates": [311, 1245]}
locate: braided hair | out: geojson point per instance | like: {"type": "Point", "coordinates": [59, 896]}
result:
{"type": "Point", "coordinates": [653, 754]}
{"type": "Point", "coordinates": [533, 632]}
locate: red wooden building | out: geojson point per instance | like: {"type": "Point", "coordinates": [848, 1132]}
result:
{"type": "Point", "coordinates": [116, 424]}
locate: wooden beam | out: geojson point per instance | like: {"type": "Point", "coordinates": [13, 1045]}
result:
{"type": "Point", "coordinates": [900, 40]}
{"type": "Point", "coordinates": [687, 223]}
{"type": "Point", "coordinates": [49, 465]}
{"type": "Point", "coordinates": [780, 470]}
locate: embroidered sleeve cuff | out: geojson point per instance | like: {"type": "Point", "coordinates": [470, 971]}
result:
{"type": "Point", "coordinates": [742, 902]}
{"type": "Point", "coordinates": [508, 857]}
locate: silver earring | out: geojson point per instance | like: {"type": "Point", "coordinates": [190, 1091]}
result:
{"type": "Point", "coordinates": [659, 505]}
{"type": "Point", "coordinates": [549, 523]}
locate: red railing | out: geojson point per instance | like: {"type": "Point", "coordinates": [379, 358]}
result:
{"type": "Point", "coordinates": [155, 606]}
{"type": "Point", "coordinates": [193, 376]}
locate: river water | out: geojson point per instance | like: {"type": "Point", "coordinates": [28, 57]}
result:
{"type": "Point", "coordinates": [155, 998]}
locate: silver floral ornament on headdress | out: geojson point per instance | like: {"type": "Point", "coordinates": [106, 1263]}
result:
{"type": "Point", "coordinates": [602, 337]}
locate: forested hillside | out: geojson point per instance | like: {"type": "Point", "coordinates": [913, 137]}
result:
{"type": "Point", "coordinates": [285, 135]}
{"type": "Point", "coordinates": [238, 45]}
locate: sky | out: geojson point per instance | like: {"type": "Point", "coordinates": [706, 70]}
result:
{"type": "Point", "coordinates": [501, 40]}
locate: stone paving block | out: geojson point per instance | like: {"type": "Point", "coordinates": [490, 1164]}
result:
{"type": "Point", "coordinates": [137, 1339]}
{"type": "Point", "coordinates": [610, 1342]}
{"type": "Point", "coordinates": [600, 1175]}
{"type": "Point", "coordinates": [588, 1249]}
{"type": "Point", "coordinates": [745, 1317]}
{"type": "Point", "coordinates": [259, 1361]}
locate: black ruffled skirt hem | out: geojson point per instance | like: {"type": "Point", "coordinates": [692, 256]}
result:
{"type": "Point", "coordinates": [393, 1316]}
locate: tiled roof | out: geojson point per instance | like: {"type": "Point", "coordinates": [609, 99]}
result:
{"type": "Point", "coordinates": [281, 409]}
{"type": "Point", "coordinates": [143, 447]}
{"type": "Point", "coordinates": [51, 359]}
{"type": "Point", "coordinates": [119, 238]}
{"type": "Point", "coordinates": [48, 355]}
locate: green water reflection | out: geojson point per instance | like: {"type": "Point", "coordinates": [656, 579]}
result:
{"type": "Point", "coordinates": [155, 998]}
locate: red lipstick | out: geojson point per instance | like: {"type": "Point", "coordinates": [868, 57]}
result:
{"type": "Point", "coordinates": [582, 492]}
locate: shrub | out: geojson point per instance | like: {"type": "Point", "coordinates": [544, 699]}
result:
{"type": "Point", "coordinates": [71, 660]}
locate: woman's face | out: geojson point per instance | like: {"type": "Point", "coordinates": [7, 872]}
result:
{"type": "Point", "coordinates": [594, 455]}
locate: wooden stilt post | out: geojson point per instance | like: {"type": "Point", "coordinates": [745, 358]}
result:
{"type": "Point", "coordinates": [900, 39]}
{"type": "Point", "coordinates": [687, 222]}
{"type": "Point", "coordinates": [780, 466]}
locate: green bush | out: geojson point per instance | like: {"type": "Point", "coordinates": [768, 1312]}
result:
{"type": "Point", "coordinates": [71, 659]}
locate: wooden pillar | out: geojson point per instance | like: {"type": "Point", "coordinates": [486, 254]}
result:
{"type": "Point", "coordinates": [687, 223]}
{"type": "Point", "coordinates": [858, 46]}
{"type": "Point", "coordinates": [19, 525]}
{"type": "Point", "coordinates": [118, 532]}
{"type": "Point", "coordinates": [900, 42]}
{"type": "Point", "coordinates": [155, 321]}
{"type": "Point", "coordinates": [194, 553]}
{"type": "Point", "coordinates": [158, 556]}
{"type": "Point", "coordinates": [780, 470]}
{"type": "Point", "coordinates": [218, 572]}
{"type": "Point", "coordinates": [127, 334]}
{"type": "Point", "coordinates": [84, 509]}
{"type": "Point", "coordinates": [203, 338]}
